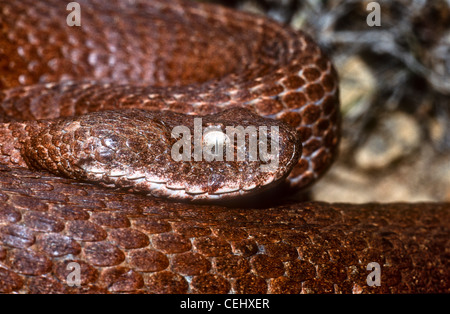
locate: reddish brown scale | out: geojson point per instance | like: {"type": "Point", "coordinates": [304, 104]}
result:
{"type": "Point", "coordinates": [56, 245]}
{"type": "Point", "coordinates": [121, 279]}
{"type": "Point", "coordinates": [293, 82]}
{"type": "Point", "coordinates": [103, 254]}
{"type": "Point", "coordinates": [167, 282]}
{"type": "Point", "coordinates": [295, 99]}
{"type": "Point", "coordinates": [212, 284]}
{"type": "Point", "coordinates": [311, 74]}
{"type": "Point", "coordinates": [269, 106]}
{"type": "Point", "coordinates": [190, 264]}
{"type": "Point", "coordinates": [129, 238]}
{"type": "Point", "coordinates": [147, 260]}
{"type": "Point", "coordinates": [314, 92]}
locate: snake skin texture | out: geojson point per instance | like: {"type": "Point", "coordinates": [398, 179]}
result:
{"type": "Point", "coordinates": [194, 59]}
{"type": "Point", "coordinates": [128, 243]}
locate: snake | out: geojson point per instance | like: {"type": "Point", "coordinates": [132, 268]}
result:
{"type": "Point", "coordinates": [93, 200]}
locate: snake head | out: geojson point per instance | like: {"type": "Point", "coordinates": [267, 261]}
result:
{"type": "Point", "coordinates": [167, 154]}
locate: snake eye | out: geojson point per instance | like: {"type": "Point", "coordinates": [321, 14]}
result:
{"type": "Point", "coordinates": [214, 144]}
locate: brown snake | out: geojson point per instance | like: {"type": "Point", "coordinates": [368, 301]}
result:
{"type": "Point", "coordinates": [194, 59]}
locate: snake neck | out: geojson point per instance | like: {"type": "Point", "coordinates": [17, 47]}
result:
{"type": "Point", "coordinates": [12, 136]}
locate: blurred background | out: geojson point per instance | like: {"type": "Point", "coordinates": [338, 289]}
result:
{"type": "Point", "coordinates": [395, 94]}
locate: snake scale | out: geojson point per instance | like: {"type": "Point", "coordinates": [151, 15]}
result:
{"type": "Point", "coordinates": [81, 104]}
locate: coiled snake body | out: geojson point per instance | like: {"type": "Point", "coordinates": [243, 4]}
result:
{"type": "Point", "coordinates": [61, 89]}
